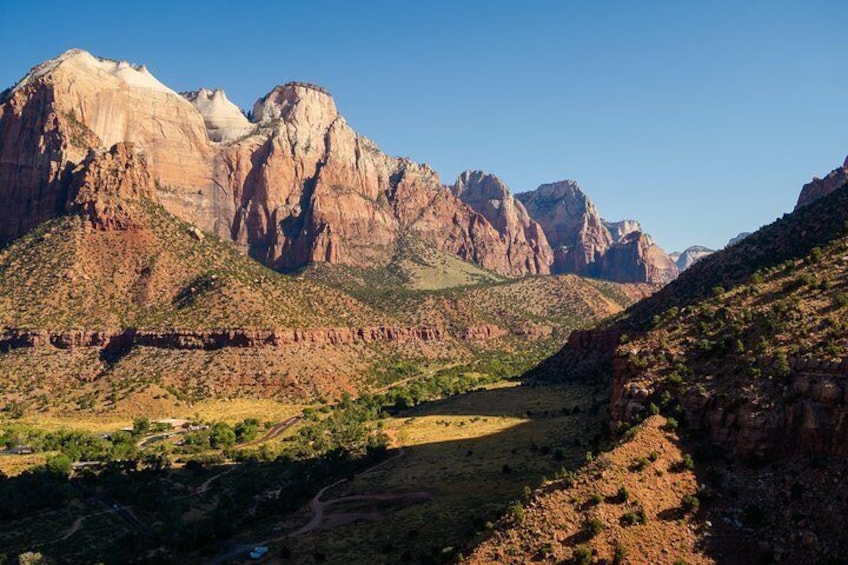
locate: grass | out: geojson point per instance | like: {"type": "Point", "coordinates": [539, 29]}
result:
{"type": "Point", "coordinates": [455, 450]}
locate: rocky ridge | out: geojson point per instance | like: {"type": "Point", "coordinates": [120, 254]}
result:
{"type": "Point", "coordinates": [297, 186]}
{"type": "Point", "coordinates": [818, 188]}
{"type": "Point", "coordinates": [490, 197]}
{"type": "Point", "coordinates": [690, 256]}
{"type": "Point", "coordinates": [583, 243]}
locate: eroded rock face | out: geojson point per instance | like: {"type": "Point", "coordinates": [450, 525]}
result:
{"type": "Point", "coordinates": [106, 182]}
{"type": "Point", "coordinates": [636, 258]}
{"type": "Point", "coordinates": [223, 119]}
{"type": "Point", "coordinates": [690, 256]}
{"type": "Point", "coordinates": [572, 225]}
{"type": "Point", "coordinates": [619, 230]}
{"type": "Point", "coordinates": [297, 186]}
{"type": "Point", "coordinates": [818, 188]}
{"type": "Point", "coordinates": [585, 244]}
{"type": "Point", "coordinates": [527, 245]}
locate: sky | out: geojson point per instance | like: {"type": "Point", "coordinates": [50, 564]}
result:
{"type": "Point", "coordinates": [700, 119]}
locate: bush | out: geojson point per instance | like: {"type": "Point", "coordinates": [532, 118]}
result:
{"type": "Point", "coordinates": [634, 517]}
{"type": "Point", "coordinates": [595, 526]}
{"type": "Point", "coordinates": [622, 495]}
{"type": "Point", "coordinates": [619, 554]}
{"type": "Point", "coordinates": [517, 512]}
{"type": "Point", "coordinates": [691, 503]}
{"type": "Point", "coordinates": [582, 555]}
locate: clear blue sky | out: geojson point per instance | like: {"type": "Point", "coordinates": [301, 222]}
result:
{"type": "Point", "coordinates": [701, 119]}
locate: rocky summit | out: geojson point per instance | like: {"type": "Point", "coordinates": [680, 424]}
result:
{"type": "Point", "coordinates": [689, 256]}
{"type": "Point", "coordinates": [818, 187]}
{"type": "Point", "coordinates": [584, 243]}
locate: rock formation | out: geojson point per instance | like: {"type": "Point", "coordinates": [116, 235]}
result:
{"type": "Point", "coordinates": [817, 188]}
{"type": "Point", "coordinates": [622, 228]}
{"type": "Point", "coordinates": [636, 258]}
{"type": "Point", "coordinates": [585, 244]}
{"type": "Point", "coordinates": [223, 119]}
{"type": "Point", "coordinates": [106, 182]}
{"type": "Point", "coordinates": [297, 186]}
{"type": "Point", "coordinates": [689, 256]}
{"type": "Point", "coordinates": [524, 237]}
{"type": "Point", "coordinates": [739, 237]}
{"type": "Point", "coordinates": [573, 226]}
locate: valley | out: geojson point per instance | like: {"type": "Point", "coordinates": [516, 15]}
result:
{"type": "Point", "coordinates": [248, 334]}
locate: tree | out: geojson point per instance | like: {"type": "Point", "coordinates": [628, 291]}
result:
{"type": "Point", "coordinates": [59, 465]}
{"type": "Point", "coordinates": [141, 426]}
{"type": "Point", "coordinates": [221, 435]}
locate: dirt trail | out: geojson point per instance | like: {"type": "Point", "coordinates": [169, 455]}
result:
{"type": "Point", "coordinates": [276, 430]}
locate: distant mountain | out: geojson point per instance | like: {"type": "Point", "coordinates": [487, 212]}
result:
{"type": "Point", "coordinates": [738, 238]}
{"type": "Point", "coordinates": [583, 243]}
{"type": "Point", "coordinates": [622, 228]}
{"type": "Point", "coordinates": [690, 256]}
{"type": "Point", "coordinates": [489, 196]}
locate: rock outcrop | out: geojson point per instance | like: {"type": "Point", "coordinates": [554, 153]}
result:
{"type": "Point", "coordinates": [818, 188]}
{"type": "Point", "coordinates": [223, 119]}
{"type": "Point", "coordinates": [636, 258]}
{"type": "Point", "coordinates": [690, 256]}
{"type": "Point", "coordinates": [524, 237]}
{"type": "Point", "coordinates": [585, 244]}
{"type": "Point", "coordinates": [297, 186]}
{"type": "Point", "coordinates": [619, 230]}
{"type": "Point", "coordinates": [106, 182]}
{"type": "Point", "coordinates": [572, 225]}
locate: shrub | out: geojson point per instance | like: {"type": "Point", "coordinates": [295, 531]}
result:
{"type": "Point", "coordinates": [619, 554]}
{"type": "Point", "coordinates": [634, 517]}
{"type": "Point", "coordinates": [622, 495]}
{"type": "Point", "coordinates": [691, 503]}
{"type": "Point", "coordinates": [582, 555]}
{"type": "Point", "coordinates": [671, 424]}
{"type": "Point", "coordinates": [640, 464]}
{"type": "Point", "coordinates": [595, 526]}
{"type": "Point", "coordinates": [517, 512]}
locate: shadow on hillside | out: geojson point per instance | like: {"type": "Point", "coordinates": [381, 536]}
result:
{"type": "Point", "coordinates": [200, 511]}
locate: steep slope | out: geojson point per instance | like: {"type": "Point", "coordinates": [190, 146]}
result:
{"type": "Point", "coordinates": [120, 261]}
{"type": "Point", "coordinates": [622, 228]}
{"type": "Point", "coordinates": [490, 197]}
{"type": "Point", "coordinates": [572, 225]}
{"type": "Point", "coordinates": [818, 188]}
{"type": "Point", "coordinates": [583, 243]}
{"type": "Point", "coordinates": [296, 187]}
{"type": "Point", "coordinates": [746, 352]}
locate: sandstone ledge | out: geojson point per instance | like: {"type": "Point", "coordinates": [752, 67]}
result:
{"type": "Point", "coordinates": [12, 338]}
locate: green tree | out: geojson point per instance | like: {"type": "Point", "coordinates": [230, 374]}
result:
{"type": "Point", "coordinates": [59, 465]}
{"type": "Point", "coordinates": [141, 426]}
{"type": "Point", "coordinates": [221, 435]}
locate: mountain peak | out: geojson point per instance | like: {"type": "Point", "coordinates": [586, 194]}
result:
{"type": "Point", "coordinates": [224, 120]}
{"type": "Point", "coordinates": [297, 102]}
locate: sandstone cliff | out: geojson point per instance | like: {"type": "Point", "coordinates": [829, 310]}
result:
{"type": "Point", "coordinates": [297, 186]}
{"type": "Point", "coordinates": [689, 256]}
{"type": "Point", "coordinates": [818, 188]}
{"type": "Point", "coordinates": [524, 237]}
{"type": "Point", "coordinates": [573, 226]}
{"type": "Point", "coordinates": [622, 228]}
{"type": "Point", "coordinates": [583, 243]}
{"type": "Point", "coordinates": [636, 258]}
